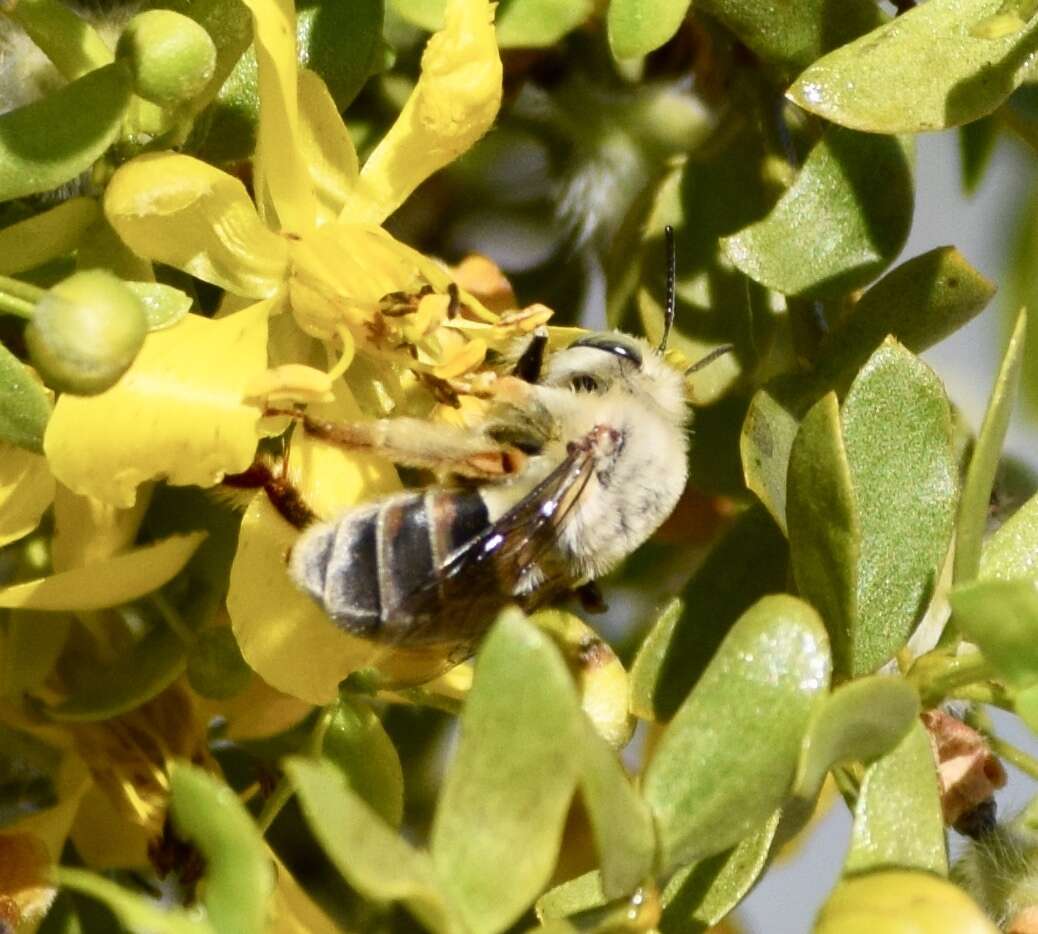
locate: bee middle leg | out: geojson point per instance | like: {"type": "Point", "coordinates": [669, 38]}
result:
{"type": "Point", "coordinates": [415, 442]}
{"type": "Point", "coordinates": [285, 498]}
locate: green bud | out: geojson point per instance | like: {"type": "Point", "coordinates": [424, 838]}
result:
{"type": "Point", "coordinates": [171, 56]}
{"type": "Point", "coordinates": [85, 332]}
{"type": "Point", "coordinates": [215, 667]}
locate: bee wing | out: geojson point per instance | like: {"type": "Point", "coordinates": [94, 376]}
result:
{"type": "Point", "coordinates": [452, 608]}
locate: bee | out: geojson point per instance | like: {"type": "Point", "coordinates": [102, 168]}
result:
{"type": "Point", "coordinates": [581, 457]}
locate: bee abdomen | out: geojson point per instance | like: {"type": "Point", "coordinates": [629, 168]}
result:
{"type": "Point", "coordinates": [364, 567]}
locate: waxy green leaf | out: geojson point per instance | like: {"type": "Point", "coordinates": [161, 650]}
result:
{"type": "Point", "coordinates": [975, 504]}
{"type": "Point", "coordinates": [698, 897]}
{"type": "Point", "coordinates": [239, 874]}
{"type": "Point", "coordinates": [1001, 617]}
{"type": "Point", "coordinates": [897, 817]}
{"type": "Point", "coordinates": [24, 407]}
{"type": "Point", "coordinates": [771, 425]}
{"type": "Point", "coordinates": [369, 854]}
{"type": "Point", "coordinates": [791, 36]}
{"type": "Point", "coordinates": [1012, 551]}
{"type": "Point", "coordinates": [509, 787]}
{"type": "Point", "coordinates": [624, 833]}
{"type": "Point", "coordinates": [897, 435]}
{"type": "Point", "coordinates": [142, 672]}
{"type": "Point", "coordinates": [52, 140]}
{"type": "Point", "coordinates": [355, 741]}
{"type": "Point", "coordinates": [899, 903]}
{"type": "Point", "coordinates": [924, 70]}
{"type": "Point", "coordinates": [518, 24]}
{"type": "Point", "coordinates": [857, 191]}
{"type": "Point", "coordinates": [342, 42]}
{"type": "Point", "coordinates": [637, 27]}
{"type": "Point", "coordinates": [861, 720]}
{"type": "Point", "coordinates": [748, 562]}
{"type": "Point", "coordinates": [824, 526]}
{"type": "Point", "coordinates": [976, 146]}
{"type": "Point", "coordinates": [163, 305]}
{"type": "Point", "coordinates": [68, 40]}
{"type": "Point", "coordinates": [135, 911]}
{"type": "Point", "coordinates": [742, 726]}
{"type": "Point", "coordinates": [920, 302]}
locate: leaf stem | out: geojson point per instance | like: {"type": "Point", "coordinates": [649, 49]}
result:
{"type": "Point", "coordinates": [10, 305]}
{"type": "Point", "coordinates": [1022, 760]}
{"type": "Point", "coordinates": [940, 676]}
{"type": "Point", "coordinates": [25, 291]}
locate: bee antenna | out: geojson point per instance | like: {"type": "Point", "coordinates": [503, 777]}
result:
{"type": "Point", "coordinates": [709, 358]}
{"type": "Point", "coordinates": [672, 267]}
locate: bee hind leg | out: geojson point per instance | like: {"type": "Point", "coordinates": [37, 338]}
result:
{"type": "Point", "coordinates": [285, 498]}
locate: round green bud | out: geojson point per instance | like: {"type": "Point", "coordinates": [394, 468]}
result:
{"type": "Point", "coordinates": [171, 57]}
{"type": "Point", "coordinates": [215, 667]}
{"type": "Point", "coordinates": [85, 332]}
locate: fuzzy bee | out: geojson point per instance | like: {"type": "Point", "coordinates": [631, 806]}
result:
{"type": "Point", "coordinates": [581, 458]}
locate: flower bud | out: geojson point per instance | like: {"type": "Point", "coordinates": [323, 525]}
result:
{"type": "Point", "coordinates": [86, 332]}
{"type": "Point", "coordinates": [171, 57]}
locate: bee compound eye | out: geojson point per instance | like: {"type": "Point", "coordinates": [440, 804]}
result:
{"type": "Point", "coordinates": [582, 382]}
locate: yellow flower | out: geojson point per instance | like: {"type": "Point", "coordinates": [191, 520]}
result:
{"type": "Point", "coordinates": [329, 289]}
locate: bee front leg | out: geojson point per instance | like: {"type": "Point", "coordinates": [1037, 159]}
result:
{"type": "Point", "coordinates": [415, 442]}
{"type": "Point", "coordinates": [531, 361]}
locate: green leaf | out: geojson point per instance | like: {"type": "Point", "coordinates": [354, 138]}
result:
{"type": "Point", "coordinates": [215, 666]}
{"type": "Point", "coordinates": [239, 874]}
{"type": "Point", "coordinates": [742, 727]}
{"type": "Point", "coordinates": [920, 302]}
{"type": "Point", "coordinates": [580, 905]}
{"type": "Point", "coordinates": [637, 27]}
{"type": "Point", "coordinates": [50, 141]}
{"type": "Point", "coordinates": [1026, 706]}
{"type": "Point", "coordinates": [861, 720]}
{"type": "Point", "coordinates": [924, 70]}
{"type": "Point", "coordinates": [897, 817]}
{"type": "Point", "coordinates": [571, 897]}
{"type": "Point", "coordinates": [622, 825]}
{"type": "Point", "coordinates": [857, 190]}
{"type": "Point", "coordinates": [518, 23]}
{"type": "Point", "coordinates": [901, 902]}
{"type": "Point", "coordinates": [748, 562]}
{"type": "Point", "coordinates": [342, 42]}
{"type": "Point", "coordinates": [698, 897]}
{"type": "Point", "coordinates": [510, 785]}
{"type": "Point", "coordinates": [371, 856]}
{"type": "Point", "coordinates": [792, 35]}
{"type": "Point", "coordinates": [1012, 551]}
{"type": "Point", "coordinates": [146, 669]}
{"type": "Point", "coordinates": [771, 425]}
{"type": "Point", "coordinates": [71, 43]}
{"type": "Point", "coordinates": [976, 145]}
{"type": "Point", "coordinates": [897, 434]}
{"type": "Point", "coordinates": [975, 504]}
{"type": "Point", "coordinates": [1001, 617]}
{"type": "Point", "coordinates": [355, 741]}
{"type": "Point", "coordinates": [135, 911]}
{"type": "Point", "coordinates": [824, 526]}
{"type": "Point", "coordinates": [1021, 288]}
{"type": "Point", "coordinates": [163, 305]}
{"type": "Point", "coordinates": [24, 407]}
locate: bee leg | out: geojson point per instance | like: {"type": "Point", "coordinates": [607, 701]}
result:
{"type": "Point", "coordinates": [531, 361]}
{"type": "Point", "coordinates": [418, 443]}
{"type": "Point", "coordinates": [590, 597]}
{"type": "Point", "coordinates": [285, 498]}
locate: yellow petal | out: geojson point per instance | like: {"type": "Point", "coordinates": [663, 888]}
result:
{"type": "Point", "coordinates": [278, 164]}
{"type": "Point", "coordinates": [284, 636]}
{"type": "Point", "coordinates": [291, 909]}
{"type": "Point", "coordinates": [106, 583]}
{"type": "Point", "coordinates": [292, 381]}
{"type": "Point", "coordinates": [104, 838]}
{"type": "Point", "coordinates": [342, 270]}
{"type": "Point", "coordinates": [467, 357]}
{"type": "Point", "coordinates": [452, 106]}
{"type": "Point", "coordinates": [180, 211]}
{"type": "Point", "coordinates": [326, 145]}
{"type": "Point", "coordinates": [256, 712]}
{"type": "Point", "coordinates": [177, 412]}
{"type": "Point", "coordinates": [26, 490]}
{"type": "Point", "coordinates": [46, 236]}
{"type": "Point", "coordinates": [87, 530]}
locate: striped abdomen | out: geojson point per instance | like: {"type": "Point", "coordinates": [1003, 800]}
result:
{"type": "Point", "coordinates": [365, 567]}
